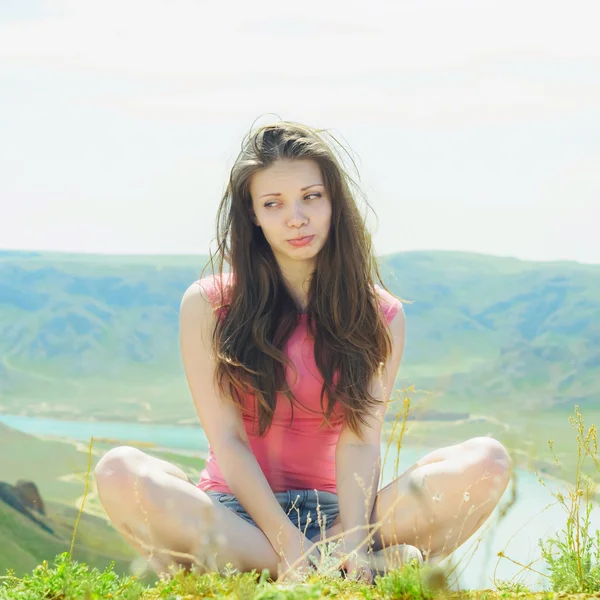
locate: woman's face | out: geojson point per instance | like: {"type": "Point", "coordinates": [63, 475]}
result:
{"type": "Point", "coordinates": [290, 201]}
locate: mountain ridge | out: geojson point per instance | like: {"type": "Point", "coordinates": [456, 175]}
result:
{"type": "Point", "coordinates": [78, 329]}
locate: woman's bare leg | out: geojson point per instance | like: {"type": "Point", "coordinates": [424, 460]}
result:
{"type": "Point", "coordinates": [442, 500]}
{"type": "Point", "coordinates": [171, 522]}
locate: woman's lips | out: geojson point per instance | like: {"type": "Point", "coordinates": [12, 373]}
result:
{"type": "Point", "coordinates": [302, 241]}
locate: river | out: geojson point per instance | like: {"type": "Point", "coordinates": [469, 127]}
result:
{"type": "Point", "coordinates": [535, 513]}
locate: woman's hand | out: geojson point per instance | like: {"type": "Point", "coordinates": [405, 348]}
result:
{"type": "Point", "coordinates": [296, 552]}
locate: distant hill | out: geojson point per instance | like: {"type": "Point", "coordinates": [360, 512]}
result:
{"type": "Point", "coordinates": [91, 335]}
{"type": "Point", "coordinates": [503, 331]}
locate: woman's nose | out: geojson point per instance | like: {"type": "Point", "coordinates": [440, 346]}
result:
{"type": "Point", "coordinates": [297, 215]}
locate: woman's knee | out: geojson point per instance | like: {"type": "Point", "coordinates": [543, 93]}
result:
{"type": "Point", "coordinates": [494, 461]}
{"type": "Point", "coordinates": [118, 470]}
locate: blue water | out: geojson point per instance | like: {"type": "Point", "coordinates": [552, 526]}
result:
{"type": "Point", "coordinates": [168, 436]}
{"type": "Point", "coordinates": [535, 513]}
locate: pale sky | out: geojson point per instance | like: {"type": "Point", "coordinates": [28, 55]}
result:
{"type": "Point", "coordinates": [475, 125]}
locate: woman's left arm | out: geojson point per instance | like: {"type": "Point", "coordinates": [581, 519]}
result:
{"type": "Point", "coordinates": [358, 461]}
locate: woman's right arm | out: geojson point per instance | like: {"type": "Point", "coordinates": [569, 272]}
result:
{"type": "Point", "coordinates": [222, 421]}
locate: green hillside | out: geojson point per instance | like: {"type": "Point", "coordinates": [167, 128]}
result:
{"type": "Point", "coordinates": [513, 344]}
{"type": "Point", "coordinates": [50, 465]}
{"type": "Point", "coordinates": [59, 469]}
{"type": "Point", "coordinates": [494, 335]}
{"type": "Point", "coordinates": [25, 545]}
{"type": "Point", "coordinates": [92, 335]}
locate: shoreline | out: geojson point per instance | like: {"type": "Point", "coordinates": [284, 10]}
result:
{"type": "Point", "coordinates": [181, 423]}
{"type": "Point", "coordinates": [518, 462]}
{"type": "Point", "coordinates": [84, 446]}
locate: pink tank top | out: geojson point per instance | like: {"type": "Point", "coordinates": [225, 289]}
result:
{"type": "Point", "coordinates": [300, 455]}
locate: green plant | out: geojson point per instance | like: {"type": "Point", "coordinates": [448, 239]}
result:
{"type": "Point", "coordinates": [407, 582]}
{"type": "Point", "coordinates": [573, 556]}
{"type": "Point", "coordinates": [69, 580]}
{"type": "Point", "coordinates": [506, 586]}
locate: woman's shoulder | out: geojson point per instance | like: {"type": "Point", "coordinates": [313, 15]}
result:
{"type": "Point", "coordinates": [388, 302]}
{"type": "Point", "coordinates": [217, 288]}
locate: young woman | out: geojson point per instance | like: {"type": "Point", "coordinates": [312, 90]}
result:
{"type": "Point", "coordinates": [291, 357]}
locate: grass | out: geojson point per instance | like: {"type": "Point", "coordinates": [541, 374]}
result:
{"type": "Point", "coordinates": [571, 558]}
{"type": "Point", "coordinates": [574, 555]}
{"type": "Point", "coordinates": [68, 579]}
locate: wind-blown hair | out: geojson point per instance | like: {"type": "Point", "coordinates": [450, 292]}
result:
{"type": "Point", "coordinates": [351, 339]}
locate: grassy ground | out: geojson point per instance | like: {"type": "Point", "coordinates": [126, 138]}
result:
{"type": "Point", "coordinates": [69, 580]}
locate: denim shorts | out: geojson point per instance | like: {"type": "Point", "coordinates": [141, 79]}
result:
{"type": "Point", "coordinates": [313, 511]}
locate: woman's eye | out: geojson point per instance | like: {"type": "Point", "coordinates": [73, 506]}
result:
{"type": "Point", "coordinates": [268, 204]}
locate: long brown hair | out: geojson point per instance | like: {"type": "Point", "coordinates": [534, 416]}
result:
{"type": "Point", "coordinates": [351, 340]}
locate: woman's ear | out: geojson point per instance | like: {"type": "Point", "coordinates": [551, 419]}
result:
{"type": "Point", "coordinates": [253, 218]}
